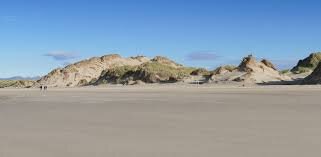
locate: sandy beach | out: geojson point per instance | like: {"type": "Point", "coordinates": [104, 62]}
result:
{"type": "Point", "coordinates": [278, 121]}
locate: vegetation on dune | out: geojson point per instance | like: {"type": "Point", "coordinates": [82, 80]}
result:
{"type": "Point", "coordinates": [226, 67]}
{"type": "Point", "coordinates": [284, 71]}
{"type": "Point", "coordinates": [121, 71]}
{"type": "Point", "coordinates": [115, 75]}
{"type": "Point", "coordinates": [151, 72]}
{"type": "Point", "coordinates": [163, 72]}
{"type": "Point", "coordinates": [200, 71]}
{"type": "Point", "coordinates": [6, 83]}
{"type": "Point", "coordinates": [315, 77]}
{"type": "Point", "coordinates": [308, 64]}
{"type": "Point", "coordinates": [230, 67]}
{"type": "Point", "coordinates": [166, 61]}
{"type": "Point", "coordinates": [16, 84]}
{"type": "Point", "coordinates": [301, 70]}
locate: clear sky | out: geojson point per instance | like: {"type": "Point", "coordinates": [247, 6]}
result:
{"type": "Point", "coordinates": [39, 35]}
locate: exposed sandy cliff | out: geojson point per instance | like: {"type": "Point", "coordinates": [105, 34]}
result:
{"type": "Point", "coordinates": [86, 71]}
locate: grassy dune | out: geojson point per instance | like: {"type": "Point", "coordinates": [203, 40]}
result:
{"type": "Point", "coordinates": [152, 72]}
{"type": "Point", "coordinates": [7, 83]}
{"type": "Point", "coordinates": [16, 83]}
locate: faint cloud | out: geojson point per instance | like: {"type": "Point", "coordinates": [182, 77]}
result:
{"type": "Point", "coordinates": [202, 56]}
{"type": "Point", "coordinates": [8, 19]}
{"type": "Point", "coordinates": [61, 55]}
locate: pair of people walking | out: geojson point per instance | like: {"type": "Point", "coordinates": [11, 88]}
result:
{"type": "Point", "coordinates": [43, 88]}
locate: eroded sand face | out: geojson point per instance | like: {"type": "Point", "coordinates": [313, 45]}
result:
{"type": "Point", "coordinates": [161, 122]}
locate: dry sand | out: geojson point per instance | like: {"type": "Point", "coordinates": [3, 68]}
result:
{"type": "Point", "coordinates": [161, 122]}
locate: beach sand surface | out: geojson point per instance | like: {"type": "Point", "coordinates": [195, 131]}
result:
{"type": "Point", "coordinates": [278, 121]}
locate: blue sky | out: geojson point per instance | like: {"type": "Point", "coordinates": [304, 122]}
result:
{"type": "Point", "coordinates": [39, 35]}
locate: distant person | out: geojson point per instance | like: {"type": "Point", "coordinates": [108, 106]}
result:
{"type": "Point", "coordinates": [43, 90]}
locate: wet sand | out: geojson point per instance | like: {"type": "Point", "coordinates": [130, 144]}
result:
{"type": "Point", "coordinates": [161, 122]}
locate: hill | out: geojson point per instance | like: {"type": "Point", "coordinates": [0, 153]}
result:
{"type": "Point", "coordinates": [113, 69]}
{"type": "Point", "coordinates": [308, 64]}
{"type": "Point", "coordinates": [315, 77]}
{"type": "Point", "coordinates": [249, 71]}
{"type": "Point", "coordinates": [86, 71]}
{"type": "Point", "coordinates": [155, 71]}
